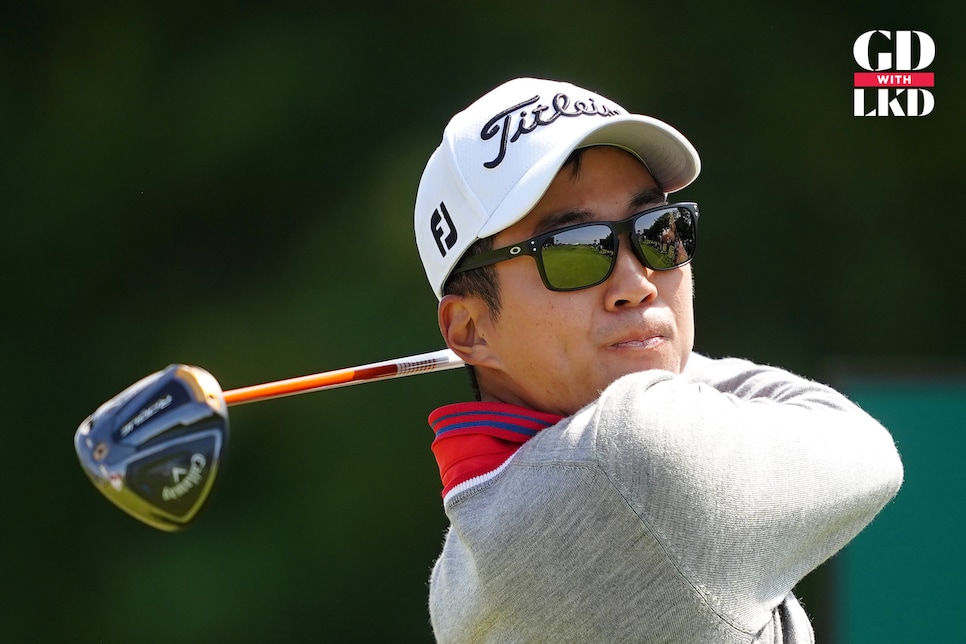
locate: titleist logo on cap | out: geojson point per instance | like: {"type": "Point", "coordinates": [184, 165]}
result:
{"type": "Point", "coordinates": [529, 120]}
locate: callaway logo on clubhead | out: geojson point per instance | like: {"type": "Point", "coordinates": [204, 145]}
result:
{"type": "Point", "coordinates": [155, 448]}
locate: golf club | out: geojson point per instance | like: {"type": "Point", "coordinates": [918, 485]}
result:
{"type": "Point", "coordinates": [154, 449]}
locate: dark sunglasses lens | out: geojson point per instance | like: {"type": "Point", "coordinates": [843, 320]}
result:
{"type": "Point", "coordinates": [578, 257]}
{"type": "Point", "coordinates": [666, 237]}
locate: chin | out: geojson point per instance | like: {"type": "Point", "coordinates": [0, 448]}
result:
{"type": "Point", "coordinates": [613, 375]}
{"type": "Point", "coordinates": [651, 360]}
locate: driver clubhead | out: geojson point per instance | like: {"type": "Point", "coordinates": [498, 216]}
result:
{"type": "Point", "coordinates": [154, 449]}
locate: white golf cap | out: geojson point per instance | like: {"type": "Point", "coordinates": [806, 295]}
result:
{"type": "Point", "coordinates": [499, 155]}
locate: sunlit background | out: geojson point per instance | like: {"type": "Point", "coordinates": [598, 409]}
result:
{"type": "Point", "coordinates": [231, 185]}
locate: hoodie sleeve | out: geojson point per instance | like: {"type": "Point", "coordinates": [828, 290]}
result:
{"type": "Point", "coordinates": [748, 476]}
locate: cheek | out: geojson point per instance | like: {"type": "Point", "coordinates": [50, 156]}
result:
{"type": "Point", "coordinates": [679, 289]}
{"type": "Point", "coordinates": [518, 275]}
{"type": "Point", "coordinates": [684, 298]}
{"type": "Point", "coordinates": [540, 325]}
{"type": "Point", "coordinates": [683, 305]}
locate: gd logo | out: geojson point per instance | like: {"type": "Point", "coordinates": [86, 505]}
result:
{"type": "Point", "coordinates": [895, 83]}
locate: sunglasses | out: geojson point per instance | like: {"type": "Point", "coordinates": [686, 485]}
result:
{"type": "Point", "coordinates": [583, 255]}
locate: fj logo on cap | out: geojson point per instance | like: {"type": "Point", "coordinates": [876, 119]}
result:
{"type": "Point", "coordinates": [527, 121]}
{"type": "Point", "coordinates": [893, 85]}
{"type": "Point", "coordinates": [438, 231]}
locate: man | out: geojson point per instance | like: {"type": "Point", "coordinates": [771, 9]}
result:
{"type": "Point", "coordinates": [609, 485]}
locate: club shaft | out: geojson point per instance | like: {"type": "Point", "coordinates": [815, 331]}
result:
{"type": "Point", "coordinates": [408, 366]}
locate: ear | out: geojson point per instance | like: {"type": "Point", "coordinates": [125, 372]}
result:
{"type": "Point", "coordinates": [465, 322]}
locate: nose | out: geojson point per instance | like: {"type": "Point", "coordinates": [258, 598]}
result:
{"type": "Point", "coordinates": [630, 283]}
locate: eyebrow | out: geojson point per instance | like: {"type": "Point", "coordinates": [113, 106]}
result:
{"type": "Point", "coordinates": [642, 200]}
{"type": "Point", "coordinates": [648, 198]}
{"type": "Point", "coordinates": [556, 220]}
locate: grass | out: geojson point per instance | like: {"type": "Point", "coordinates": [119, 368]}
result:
{"type": "Point", "coordinates": [570, 265]}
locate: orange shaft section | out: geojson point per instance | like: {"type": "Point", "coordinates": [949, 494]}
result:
{"type": "Point", "coordinates": [422, 363]}
{"type": "Point", "coordinates": [305, 384]}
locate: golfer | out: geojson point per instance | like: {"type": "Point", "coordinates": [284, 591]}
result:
{"type": "Point", "coordinates": [609, 484]}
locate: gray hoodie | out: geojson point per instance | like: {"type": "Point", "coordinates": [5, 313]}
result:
{"type": "Point", "coordinates": [672, 509]}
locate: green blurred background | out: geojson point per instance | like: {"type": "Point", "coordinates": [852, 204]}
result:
{"type": "Point", "coordinates": [231, 185]}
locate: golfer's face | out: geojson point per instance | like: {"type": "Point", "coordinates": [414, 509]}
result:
{"type": "Point", "coordinates": [558, 350]}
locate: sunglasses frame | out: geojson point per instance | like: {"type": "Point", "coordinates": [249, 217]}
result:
{"type": "Point", "coordinates": [534, 246]}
